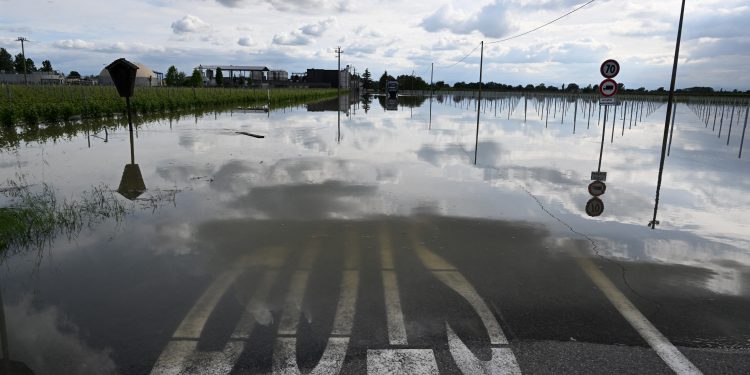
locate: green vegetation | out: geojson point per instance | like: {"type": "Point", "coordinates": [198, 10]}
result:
{"type": "Point", "coordinates": [6, 61]}
{"type": "Point", "coordinates": [32, 105]}
{"type": "Point", "coordinates": [36, 217]}
{"type": "Point", "coordinates": [367, 82]}
{"type": "Point", "coordinates": [219, 77]}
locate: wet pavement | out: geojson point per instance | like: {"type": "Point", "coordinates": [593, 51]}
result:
{"type": "Point", "coordinates": [370, 242]}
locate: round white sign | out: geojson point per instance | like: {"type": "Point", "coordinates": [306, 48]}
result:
{"type": "Point", "coordinates": [610, 68]}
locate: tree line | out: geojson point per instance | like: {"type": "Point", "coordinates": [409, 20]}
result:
{"type": "Point", "coordinates": [10, 64]}
{"type": "Point", "coordinates": [411, 82]}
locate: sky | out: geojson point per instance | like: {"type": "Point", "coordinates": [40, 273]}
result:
{"type": "Point", "coordinates": [398, 36]}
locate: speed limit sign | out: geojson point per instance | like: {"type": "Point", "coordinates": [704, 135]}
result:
{"type": "Point", "coordinates": [610, 68]}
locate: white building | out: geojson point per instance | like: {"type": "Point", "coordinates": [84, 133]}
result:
{"type": "Point", "coordinates": [144, 76]}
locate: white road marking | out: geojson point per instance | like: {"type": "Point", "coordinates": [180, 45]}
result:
{"type": "Point", "coordinates": [298, 285]}
{"type": "Point", "coordinates": [181, 351]}
{"type": "Point", "coordinates": [256, 310]}
{"type": "Point", "coordinates": [174, 356]}
{"type": "Point", "coordinates": [332, 360]}
{"type": "Point", "coordinates": [401, 362]}
{"type": "Point", "coordinates": [222, 362]}
{"type": "Point", "coordinates": [394, 314]}
{"type": "Point", "coordinates": [344, 318]}
{"type": "Point", "coordinates": [192, 326]}
{"type": "Point", "coordinates": [661, 345]}
{"type": "Point", "coordinates": [201, 363]}
{"type": "Point", "coordinates": [309, 254]}
{"type": "Point", "coordinates": [386, 251]}
{"type": "Point", "coordinates": [293, 304]}
{"type": "Point", "coordinates": [353, 252]}
{"type": "Point", "coordinates": [460, 285]}
{"type": "Point", "coordinates": [431, 260]}
{"type": "Point", "coordinates": [502, 362]}
{"type": "Point", "coordinates": [285, 356]}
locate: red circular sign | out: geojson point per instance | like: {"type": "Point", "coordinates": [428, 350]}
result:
{"type": "Point", "coordinates": [608, 87]}
{"type": "Point", "coordinates": [610, 68]}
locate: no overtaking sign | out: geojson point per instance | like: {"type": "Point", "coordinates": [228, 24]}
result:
{"type": "Point", "coordinates": [608, 87]}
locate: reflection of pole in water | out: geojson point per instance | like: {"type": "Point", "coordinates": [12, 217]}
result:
{"type": "Point", "coordinates": [671, 131]}
{"type": "Point", "coordinates": [614, 120]}
{"type": "Point", "coordinates": [4, 338]}
{"type": "Point", "coordinates": [630, 126]}
{"type": "Point", "coordinates": [476, 141]}
{"type": "Point", "coordinates": [624, 115]}
{"type": "Point", "coordinates": [130, 128]}
{"type": "Point", "coordinates": [604, 130]}
{"type": "Point", "coordinates": [432, 93]}
{"type": "Point", "coordinates": [731, 120]}
{"type": "Point", "coordinates": [743, 130]}
{"type": "Point", "coordinates": [575, 115]}
{"type": "Point", "coordinates": [525, 104]}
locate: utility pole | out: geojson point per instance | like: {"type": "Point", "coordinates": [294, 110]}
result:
{"type": "Point", "coordinates": [338, 55]}
{"type": "Point", "coordinates": [338, 98]}
{"type": "Point", "coordinates": [432, 88]}
{"type": "Point", "coordinates": [653, 223]}
{"type": "Point", "coordinates": [479, 102]}
{"type": "Point", "coordinates": [432, 93]}
{"type": "Point", "coordinates": [23, 56]}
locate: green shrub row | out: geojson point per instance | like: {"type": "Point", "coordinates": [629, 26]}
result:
{"type": "Point", "coordinates": [31, 105]}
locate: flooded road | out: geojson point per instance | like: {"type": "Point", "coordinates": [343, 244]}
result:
{"type": "Point", "coordinates": [375, 240]}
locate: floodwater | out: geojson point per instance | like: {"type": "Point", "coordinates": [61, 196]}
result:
{"type": "Point", "coordinates": [371, 241]}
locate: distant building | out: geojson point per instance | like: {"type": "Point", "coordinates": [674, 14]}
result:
{"type": "Point", "coordinates": [144, 76]}
{"type": "Point", "coordinates": [244, 75]}
{"type": "Point", "coordinates": [34, 78]}
{"type": "Point", "coordinates": [326, 78]}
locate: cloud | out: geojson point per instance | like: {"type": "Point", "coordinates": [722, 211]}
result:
{"type": "Point", "coordinates": [232, 3]}
{"type": "Point", "coordinates": [363, 31]}
{"type": "Point", "coordinates": [16, 29]}
{"type": "Point", "coordinates": [117, 47]}
{"type": "Point", "coordinates": [317, 29]}
{"type": "Point", "coordinates": [188, 24]}
{"type": "Point", "coordinates": [295, 38]}
{"type": "Point", "coordinates": [450, 44]}
{"type": "Point", "coordinates": [303, 35]}
{"type": "Point", "coordinates": [73, 44]}
{"type": "Point", "coordinates": [34, 331]}
{"type": "Point", "coordinates": [360, 49]}
{"type": "Point", "coordinates": [245, 41]}
{"type": "Point", "coordinates": [492, 20]}
{"type": "Point", "coordinates": [293, 5]}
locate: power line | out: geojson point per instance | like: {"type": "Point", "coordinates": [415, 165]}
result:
{"type": "Point", "coordinates": [539, 27]}
{"type": "Point", "coordinates": [463, 58]}
{"type": "Point", "coordinates": [518, 35]}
